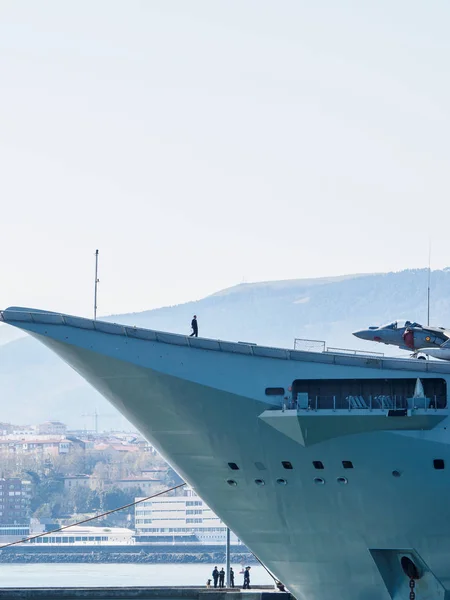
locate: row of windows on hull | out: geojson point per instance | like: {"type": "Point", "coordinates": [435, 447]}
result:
{"type": "Point", "coordinates": [438, 464]}
{"type": "Point", "coordinates": [318, 464]}
{"type": "Point", "coordinates": [281, 481]}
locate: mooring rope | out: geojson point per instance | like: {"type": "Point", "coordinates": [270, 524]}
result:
{"type": "Point", "coordinates": [263, 565]}
{"type": "Point", "coordinates": [108, 512]}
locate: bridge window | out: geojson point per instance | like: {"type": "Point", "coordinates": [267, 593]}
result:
{"type": "Point", "coordinates": [347, 464]}
{"type": "Point", "coordinates": [318, 464]}
{"type": "Point", "coordinates": [438, 464]}
{"type": "Point", "coordinates": [233, 466]}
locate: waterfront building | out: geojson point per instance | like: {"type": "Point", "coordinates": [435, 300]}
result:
{"type": "Point", "coordinates": [13, 533]}
{"type": "Point", "coordinates": [184, 518]}
{"type": "Point", "coordinates": [81, 535]}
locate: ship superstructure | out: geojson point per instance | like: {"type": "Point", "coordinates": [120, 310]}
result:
{"type": "Point", "coordinates": [332, 468]}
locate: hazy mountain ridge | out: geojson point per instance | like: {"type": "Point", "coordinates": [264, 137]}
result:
{"type": "Point", "coordinates": [35, 385]}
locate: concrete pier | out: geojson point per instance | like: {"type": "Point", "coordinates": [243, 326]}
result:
{"type": "Point", "coordinates": [142, 593]}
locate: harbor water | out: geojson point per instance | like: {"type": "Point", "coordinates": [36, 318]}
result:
{"type": "Point", "coordinates": [118, 575]}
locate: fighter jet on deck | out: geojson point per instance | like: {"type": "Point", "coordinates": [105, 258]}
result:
{"type": "Point", "coordinates": [408, 335]}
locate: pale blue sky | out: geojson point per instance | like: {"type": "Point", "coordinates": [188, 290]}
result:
{"type": "Point", "coordinates": [197, 143]}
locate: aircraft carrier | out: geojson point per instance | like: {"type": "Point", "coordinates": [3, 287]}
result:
{"type": "Point", "coordinates": [331, 468]}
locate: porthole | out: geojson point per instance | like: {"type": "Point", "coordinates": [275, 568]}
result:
{"type": "Point", "coordinates": [319, 481]}
{"type": "Point", "coordinates": [260, 482]}
{"type": "Point", "coordinates": [286, 464]}
{"type": "Point", "coordinates": [318, 464]}
{"type": "Point", "coordinates": [281, 481]}
{"type": "Point", "coordinates": [233, 466]}
{"type": "Point", "coordinates": [396, 473]}
{"type": "Point", "coordinates": [232, 482]}
{"type": "Point", "coordinates": [438, 464]}
{"type": "Point", "coordinates": [342, 480]}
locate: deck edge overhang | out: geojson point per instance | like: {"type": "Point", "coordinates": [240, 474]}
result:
{"type": "Point", "coordinates": [35, 320]}
{"type": "Point", "coordinates": [309, 428]}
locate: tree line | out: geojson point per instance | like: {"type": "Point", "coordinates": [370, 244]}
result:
{"type": "Point", "coordinates": [51, 499]}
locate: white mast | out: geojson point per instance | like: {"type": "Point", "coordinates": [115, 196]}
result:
{"type": "Point", "coordinates": [96, 284]}
{"type": "Point", "coordinates": [429, 281]}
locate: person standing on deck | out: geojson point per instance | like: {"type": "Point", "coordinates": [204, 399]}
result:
{"type": "Point", "coordinates": [215, 575]}
{"type": "Point", "coordinates": [194, 326]}
{"type": "Point", "coordinates": [246, 585]}
{"type": "Point", "coordinates": [221, 578]}
{"type": "Point", "coordinates": [231, 577]}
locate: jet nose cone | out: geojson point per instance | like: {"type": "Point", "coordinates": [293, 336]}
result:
{"type": "Point", "coordinates": [364, 334]}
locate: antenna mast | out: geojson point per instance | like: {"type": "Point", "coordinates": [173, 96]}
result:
{"type": "Point", "coordinates": [96, 284]}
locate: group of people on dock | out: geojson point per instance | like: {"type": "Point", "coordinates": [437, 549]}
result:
{"type": "Point", "coordinates": [218, 578]}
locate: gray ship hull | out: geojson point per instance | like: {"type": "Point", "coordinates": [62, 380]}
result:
{"type": "Point", "coordinates": [326, 534]}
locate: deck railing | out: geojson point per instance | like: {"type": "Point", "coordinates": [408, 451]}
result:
{"type": "Point", "coordinates": [309, 345]}
{"type": "Point", "coordinates": [354, 352]}
{"type": "Point", "coordinates": [380, 402]}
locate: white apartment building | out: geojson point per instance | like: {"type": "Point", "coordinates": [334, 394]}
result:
{"type": "Point", "coordinates": [169, 519]}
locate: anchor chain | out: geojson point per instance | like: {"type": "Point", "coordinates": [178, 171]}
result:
{"type": "Point", "coordinates": [412, 586]}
